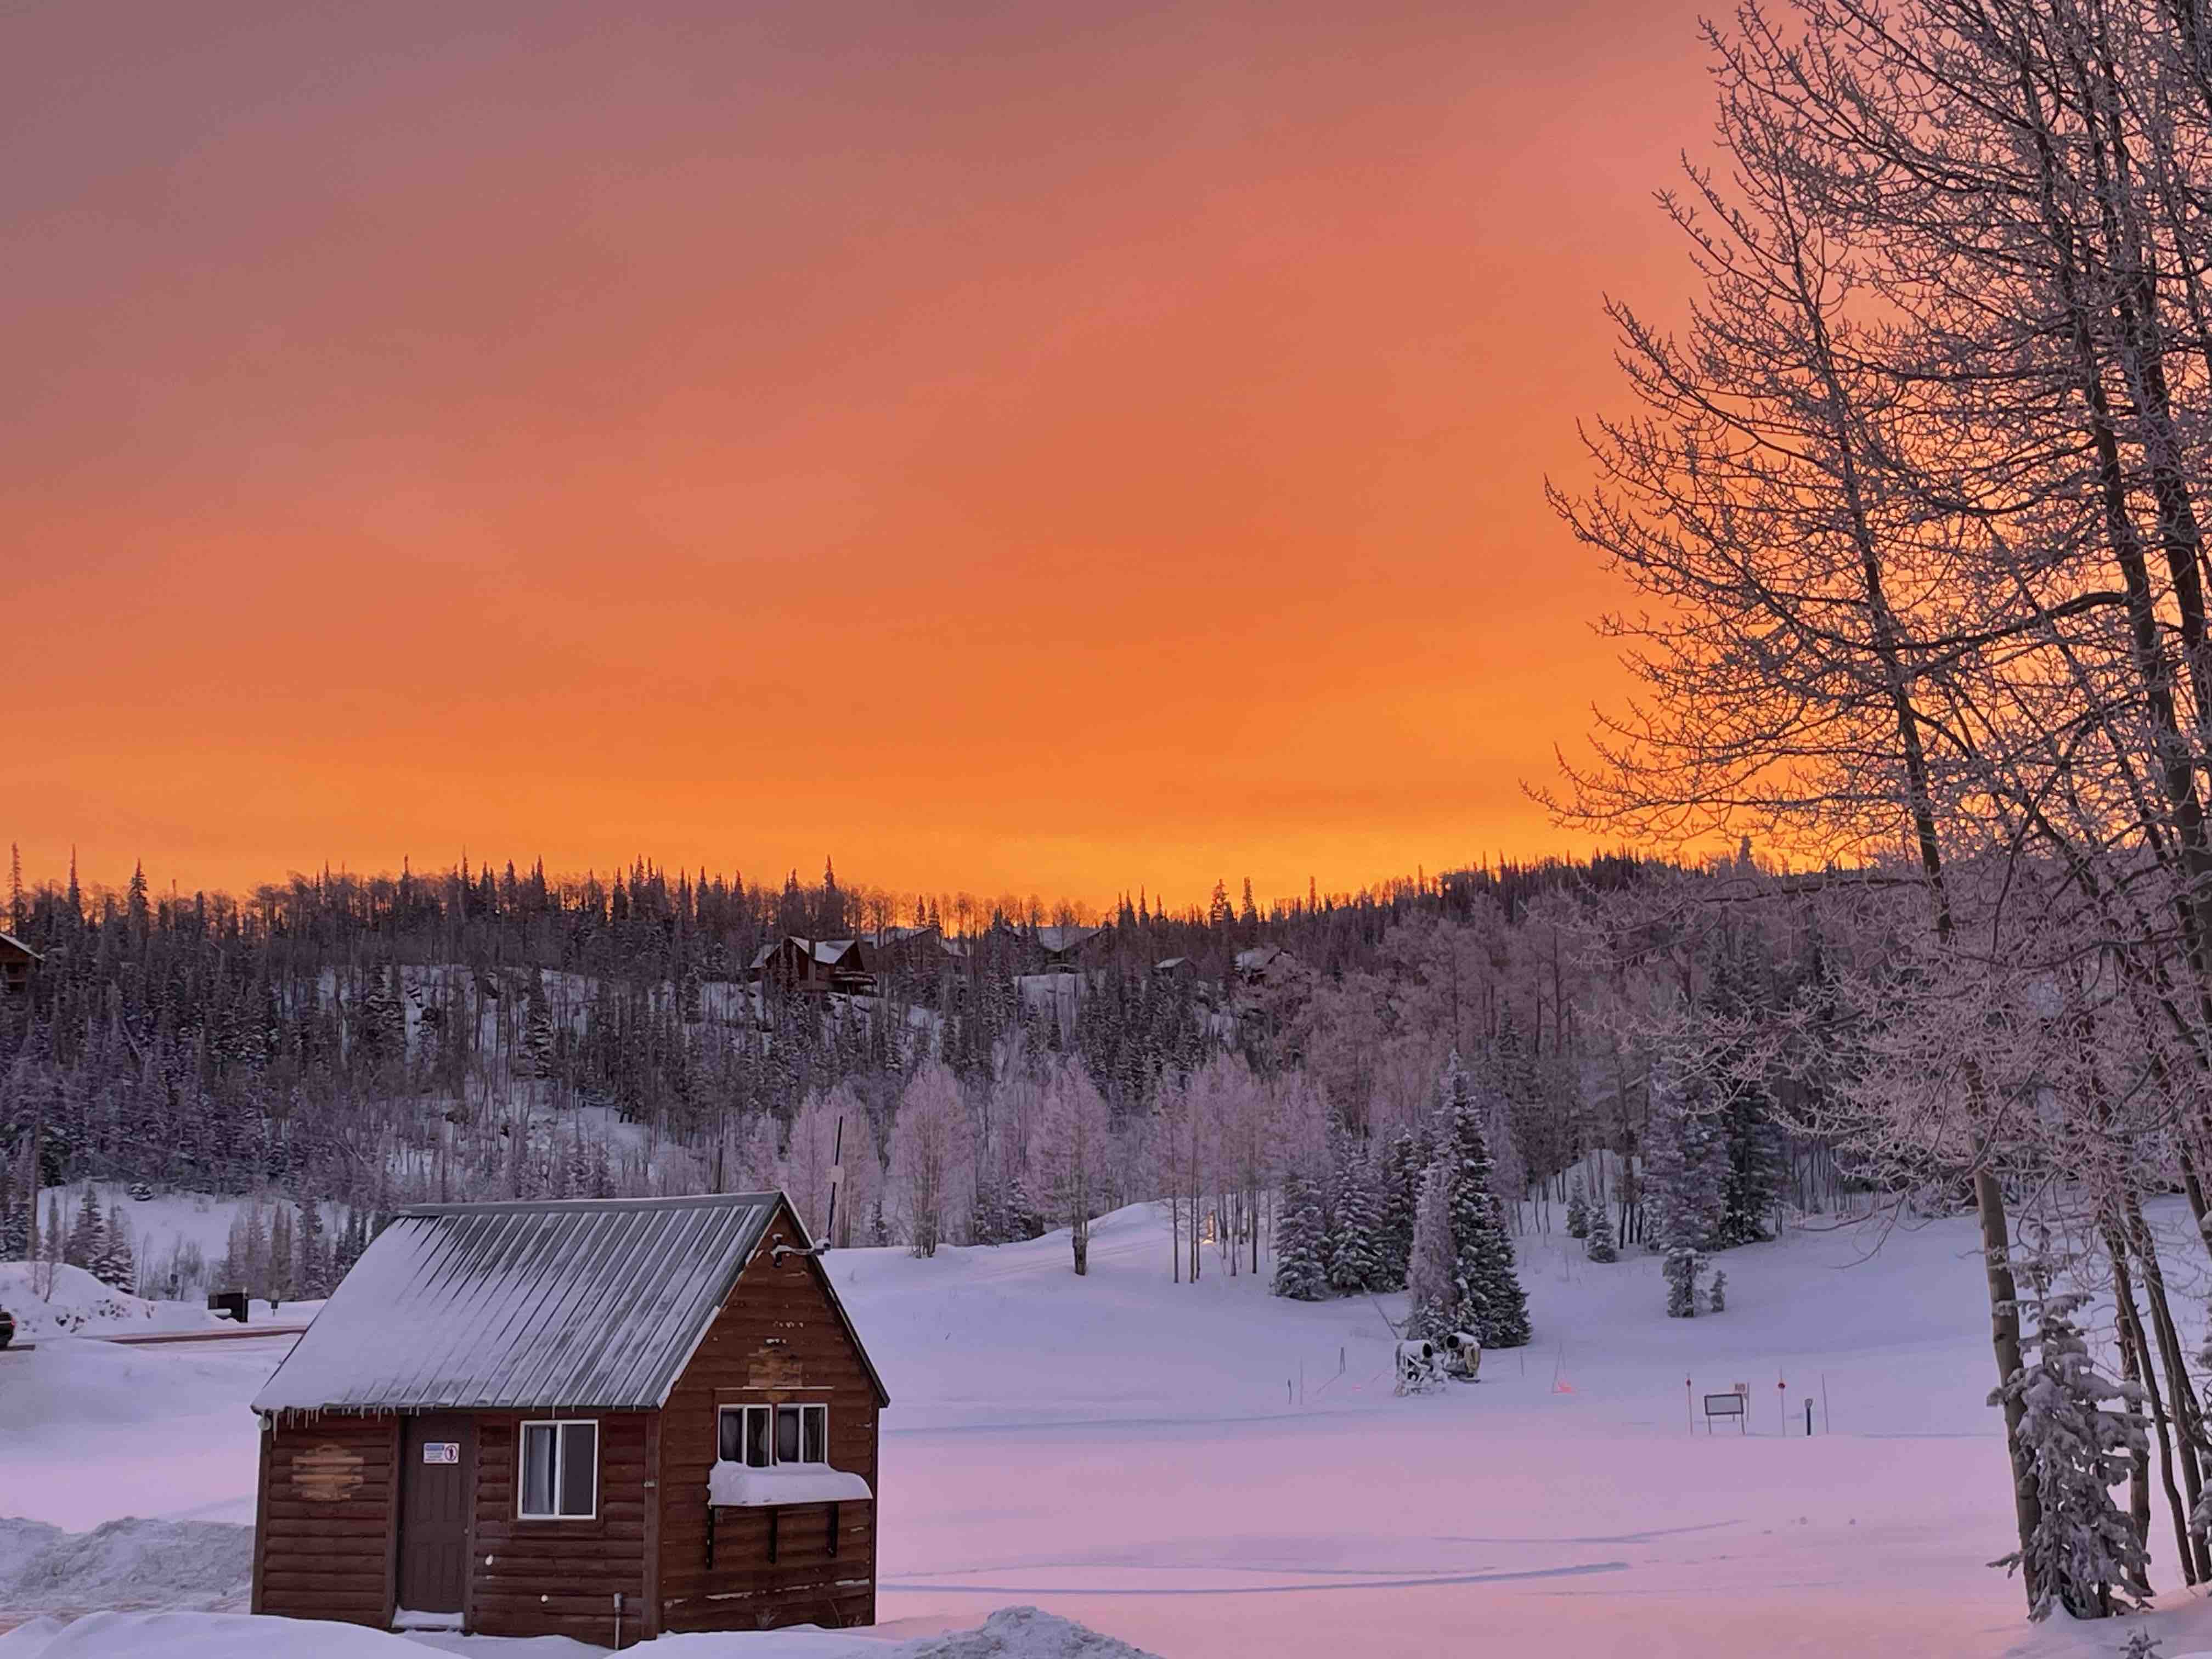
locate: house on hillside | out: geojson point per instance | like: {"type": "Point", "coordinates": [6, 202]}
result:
{"type": "Point", "coordinates": [814, 965]}
{"type": "Point", "coordinates": [607, 1419]}
{"type": "Point", "coordinates": [1176, 968]}
{"type": "Point", "coordinates": [16, 961]}
{"type": "Point", "coordinates": [914, 952]}
{"type": "Point", "coordinates": [1064, 949]}
{"type": "Point", "coordinates": [1266, 966]}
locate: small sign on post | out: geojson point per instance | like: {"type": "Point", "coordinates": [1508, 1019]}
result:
{"type": "Point", "coordinates": [1725, 1405]}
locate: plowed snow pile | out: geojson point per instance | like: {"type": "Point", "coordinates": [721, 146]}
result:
{"type": "Point", "coordinates": [79, 1304]}
{"type": "Point", "coordinates": [132, 1563]}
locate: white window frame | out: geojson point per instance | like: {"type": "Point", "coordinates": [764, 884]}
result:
{"type": "Point", "coordinates": [771, 1414]}
{"type": "Point", "coordinates": [560, 1465]}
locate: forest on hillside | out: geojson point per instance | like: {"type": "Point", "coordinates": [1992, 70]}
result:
{"type": "Point", "coordinates": [487, 1033]}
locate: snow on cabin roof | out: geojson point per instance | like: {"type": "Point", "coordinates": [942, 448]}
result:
{"type": "Point", "coordinates": [594, 1303]}
{"type": "Point", "coordinates": [9, 942]}
{"type": "Point", "coordinates": [828, 951]}
{"type": "Point", "coordinates": [1066, 937]}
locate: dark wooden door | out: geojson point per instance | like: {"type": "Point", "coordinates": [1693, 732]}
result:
{"type": "Point", "coordinates": [437, 1485]}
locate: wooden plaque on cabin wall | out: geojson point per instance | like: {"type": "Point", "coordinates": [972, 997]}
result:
{"type": "Point", "coordinates": [326, 1473]}
{"type": "Point", "coordinates": [774, 1368]}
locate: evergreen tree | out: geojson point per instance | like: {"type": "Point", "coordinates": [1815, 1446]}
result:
{"type": "Point", "coordinates": [283, 1261]}
{"type": "Point", "coordinates": [1435, 1292]}
{"type": "Point", "coordinates": [88, 1234]}
{"type": "Point", "coordinates": [1355, 1264]}
{"type": "Point", "coordinates": [2084, 1554]}
{"type": "Point", "coordinates": [1495, 1308]}
{"type": "Point", "coordinates": [1404, 1164]}
{"type": "Point", "coordinates": [1752, 1176]}
{"type": "Point", "coordinates": [116, 1264]}
{"type": "Point", "coordinates": [1578, 1215]}
{"type": "Point", "coordinates": [1686, 1164]}
{"type": "Point", "coordinates": [314, 1277]}
{"type": "Point", "coordinates": [1299, 1273]}
{"type": "Point", "coordinates": [536, 1056]}
{"type": "Point", "coordinates": [1598, 1244]}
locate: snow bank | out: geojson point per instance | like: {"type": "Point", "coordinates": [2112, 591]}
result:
{"type": "Point", "coordinates": [80, 1304]}
{"type": "Point", "coordinates": [199, 1636]}
{"type": "Point", "coordinates": [1021, 1633]}
{"type": "Point", "coordinates": [170, 1563]}
{"type": "Point", "coordinates": [1010, 1633]}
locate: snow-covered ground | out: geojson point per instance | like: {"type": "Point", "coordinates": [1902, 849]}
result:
{"type": "Point", "coordinates": [1207, 1471]}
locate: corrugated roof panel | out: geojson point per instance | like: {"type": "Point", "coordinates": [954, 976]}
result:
{"type": "Point", "coordinates": [587, 1303]}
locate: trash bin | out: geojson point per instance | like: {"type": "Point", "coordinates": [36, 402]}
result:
{"type": "Point", "coordinates": [228, 1305]}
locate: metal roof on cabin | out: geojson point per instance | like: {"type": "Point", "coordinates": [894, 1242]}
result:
{"type": "Point", "coordinates": [594, 1303]}
{"type": "Point", "coordinates": [9, 941]}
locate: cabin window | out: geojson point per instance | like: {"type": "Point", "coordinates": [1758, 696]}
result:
{"type": "Point", "coordinates": [743, 1437]}
{"type": "Point", "coordinates": [560, 1471]}
{"type": "Point", "coordinates": [760, 1436]}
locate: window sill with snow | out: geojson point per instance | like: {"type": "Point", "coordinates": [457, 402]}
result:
{"type": "Point", "coordinates": [738, 1486]}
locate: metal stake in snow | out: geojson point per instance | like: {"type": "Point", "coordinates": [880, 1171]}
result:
{"type": "Point", "coordinates": [1689, 1405]}
{"type": "Point", "coordinates": [1782, 1401]}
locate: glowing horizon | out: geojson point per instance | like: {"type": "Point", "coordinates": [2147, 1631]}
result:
{"type": "Point", "coordinates": [1024, 451]}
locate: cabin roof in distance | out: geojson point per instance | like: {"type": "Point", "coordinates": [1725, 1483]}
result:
{"type": "Point", "coordinates": [593, 1304]}
{"type": "Point", "coordinates": [10, 945]}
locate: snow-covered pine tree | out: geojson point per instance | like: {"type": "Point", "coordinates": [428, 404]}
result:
{"type": "Point", "coordinates": [116, 1265]}
{"type": "Point", "coordinates": [536, 1056]}
{"type": "Point", "coordinates": [1508, 1171]}
{"type": "Point", "coordinates": [87, 1233]}
{"type": "Point", "coordinates": [1435, 1293]}
{"type": "Point", "coordinates": [1494, 1308]}
{"type": "Point", "coordinates": [283, 1258]}
{"type": "Point", "coordinates": [1355, 1264]}
{"type": "Point", "coordinates": [1686, 1162]}
{"type": "Point", "coordinates": [1404, 1164]}
{"type": "Point", "coordinates": [1716, 1293]}
{"type": "Point", "coordinates": [1298, 1271]}
{"type": "Point", "coordinates": [1022, 1218]}
{"type": "Point", "coordinates": [2084, 1555]}
{"type": "Point", "coordinates": [313, 1276]}
{"type": "Point", "coordinates": [1753, 1175]}
{"type": "Point", "coordinates": [1598, 1244]}
{"type": "Point", "coordinates": [1578, 1217]}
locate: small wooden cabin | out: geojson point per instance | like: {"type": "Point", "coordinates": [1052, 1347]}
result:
{"type": "Point", "coordinates": [607, 1419]}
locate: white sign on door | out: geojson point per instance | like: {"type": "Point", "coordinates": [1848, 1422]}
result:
{"type": "Point", "coordinates": [441, 1451]}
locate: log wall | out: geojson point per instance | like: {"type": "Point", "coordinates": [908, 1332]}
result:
{"type": "Point", "coordinates": [324, 1545]}
{"type": "Point", "coordinates": [777, 1340]}
{"type": "Point", "coordinates": [559, 1577]}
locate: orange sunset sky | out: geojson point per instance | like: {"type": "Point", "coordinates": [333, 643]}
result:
{"type": "Point", "coordinates": [1026, 446]}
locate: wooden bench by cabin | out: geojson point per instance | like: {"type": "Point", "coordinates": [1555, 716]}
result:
{"type": "Point", "coordinates": [603, 1419]}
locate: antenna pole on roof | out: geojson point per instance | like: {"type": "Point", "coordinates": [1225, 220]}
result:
{"type": "Point", "coordinates": [836, 1179]}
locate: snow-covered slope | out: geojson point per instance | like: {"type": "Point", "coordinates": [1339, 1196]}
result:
{"type": "Point", "coordinates": [1206, 1470]}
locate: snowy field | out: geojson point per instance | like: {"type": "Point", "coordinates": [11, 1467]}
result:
{"type": "Point", "coordinates": [1207, 1470]}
